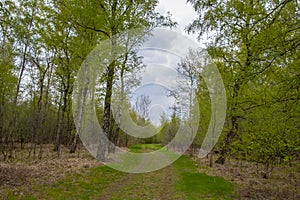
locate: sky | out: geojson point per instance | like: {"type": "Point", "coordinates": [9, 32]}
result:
{"type": "Point", "coordinates": [160, 74]}
{"type": "Point", "coordinates": [183, 13]}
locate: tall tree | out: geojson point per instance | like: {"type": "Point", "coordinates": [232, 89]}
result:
{"type": "Point", "coordinates": [251, 38]}
{"type": "Point", "coordinates": [22, 23]}
{"type": "Point", "coordinates": [189, 70]}
{"type": "Point", "coordinates": [110, 18]}
{"type": "Point", "coordinates": [142, 108]}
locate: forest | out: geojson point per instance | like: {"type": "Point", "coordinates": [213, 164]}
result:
{"type": "Point", "coordinates": [255, 46]}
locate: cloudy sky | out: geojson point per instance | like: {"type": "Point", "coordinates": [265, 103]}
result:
{"type": "Point", "coordinates": [183, 13]}
{"type": "Point", "coordinates": [162, 60]}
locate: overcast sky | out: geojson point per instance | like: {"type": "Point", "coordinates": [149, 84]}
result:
{"type": "Point", "coordinates": [160, 73]}
{"type": "Point", "coordinates": [183, 13]}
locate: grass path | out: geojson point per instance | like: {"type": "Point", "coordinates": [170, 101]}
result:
{"type": "Point", "coordinates": [180, 180]}
{"type": "Point", "coordinates": [154, 185]}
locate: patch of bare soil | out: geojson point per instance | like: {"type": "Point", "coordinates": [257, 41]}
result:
{"type": "Point", "coordinates": [283, 182]}
{"type": "Point", "coordinates": [23, 174]}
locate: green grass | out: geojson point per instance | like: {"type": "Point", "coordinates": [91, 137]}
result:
{"type": "Point", "coordinates": [198, 185]}
{"type": "Point", "coordinates": [186, 183]}
{"type": "Point", "coordinates": [131, 160]}
{"type": "Point", "coordinates": [11, 196]}
{"type": "Point", "coordinates": [89, 185]}
{"type": "Point", "coordinates": [138, 148]}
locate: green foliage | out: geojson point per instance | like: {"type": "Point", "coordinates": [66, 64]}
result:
{"type": "Point", "coordinates": [43, 44]}
{"type": "Point", "coordinates": [255, 45]}
{"type": "Point", "coordinates": [169, 128]}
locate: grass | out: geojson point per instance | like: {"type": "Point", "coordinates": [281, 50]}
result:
{"type": "Point", "coordinates": [88, 185]}
{"type": "Point", "coordinates": [11, 196]}
{"type": "Point", "coordinates": [181, 180]}
{"type": "Point", "coordinates": [83, 186]}
{"type": "Point", "coordinates": [138, 148]}
{"type": "Point", "coordinates": [199, 185]}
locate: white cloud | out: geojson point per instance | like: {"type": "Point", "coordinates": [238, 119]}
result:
{"type": "Point", "coordinates": [162, 60]}
{"type": "Point", "coordinates": [183, 13]}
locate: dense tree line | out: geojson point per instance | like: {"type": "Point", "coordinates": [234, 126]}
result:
{"type": "Point", "coordinates": [43, 44]}
{"type": "Point", "coordinates": [255, 45]}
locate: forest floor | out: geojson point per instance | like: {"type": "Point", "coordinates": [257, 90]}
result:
{"type": "Point", "coordinates": [282, 183]}
{"type": "Point", "coordinates": [80, 176]}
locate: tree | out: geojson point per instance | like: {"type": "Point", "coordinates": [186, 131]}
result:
{"type": "Point", "coordinates": [251, 39]}
{"type": "Point", "coordinates": [169, 127]}
{"type": "Point", "coordinates": [142, 108]}
{"type": "Point", "coordinates": [7, 77]}
{"type": "Point", "coordinates": [189, 70]}
{"type": "Point", "coordinates": [110, 18]}
{"type": "Point", "coordinates": [71, 44]}
{"type": "Point", "coordinates": [22, 26]}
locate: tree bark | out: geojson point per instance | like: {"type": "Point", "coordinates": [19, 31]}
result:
{"type": "Point", "coordinates": [233, 129]}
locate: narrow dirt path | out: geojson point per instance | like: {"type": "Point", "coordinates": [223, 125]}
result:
{"type": "Point", "coordinates": [153, 186]}
{"type": "Point", "coordinates": [156, 185]}
{"type": "Point", "coordinates": [116, 186]}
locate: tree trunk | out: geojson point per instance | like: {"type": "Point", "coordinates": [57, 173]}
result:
{"type": "Point", "coordinates": [231, 134]}
{"type": "Point", "coordinates": [211, 160]}
{"type": "Point", "coordinates": [58, 131]}
{"type": "Point", "coordinates": [80, 113]}
{"type": "Point", "coordinates": [45, 110]}
{"type": "Point", "coordinates": [12, 124]}
{"type": "Point", "coordinates": [74, 143]}
{"type": "Point", "coordinates": [61, 113]}
{"type": "Point", "coordinates": [107, 129]}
